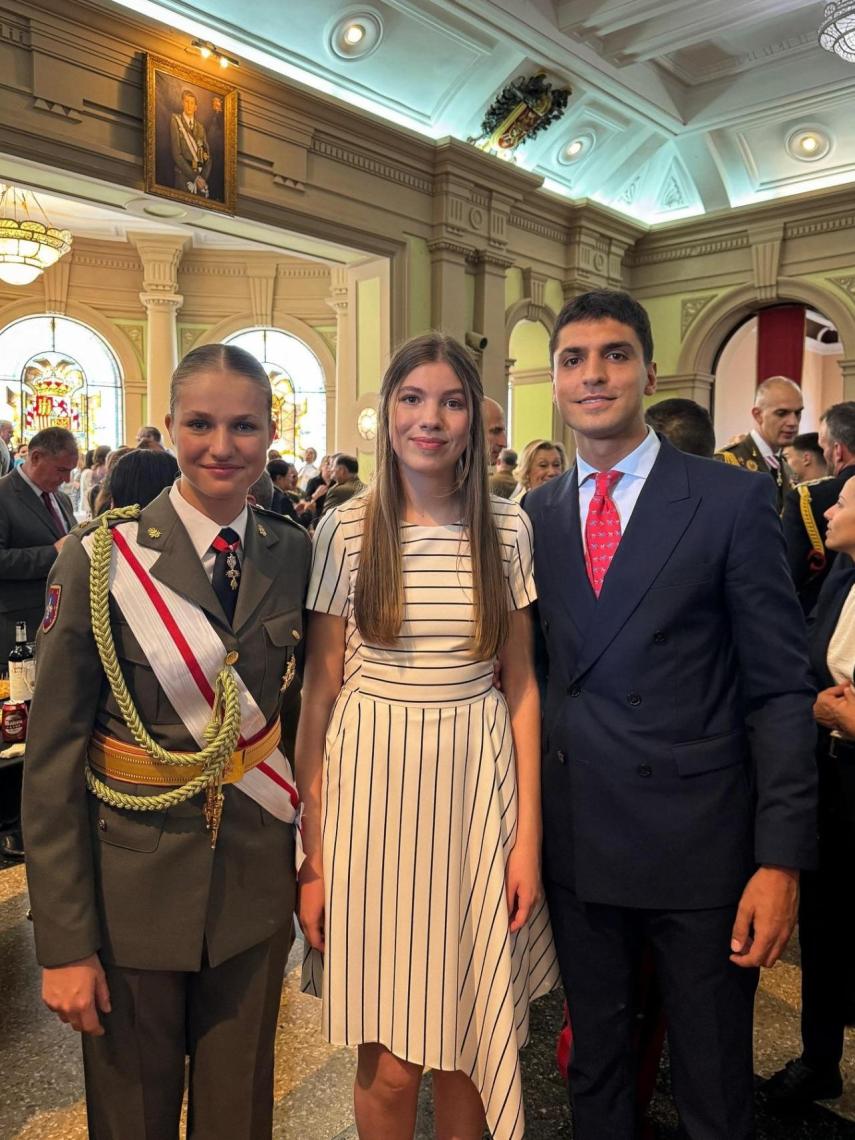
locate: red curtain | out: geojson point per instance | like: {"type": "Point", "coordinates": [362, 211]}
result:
{"type": "Point", "coordinates": [781, 342]}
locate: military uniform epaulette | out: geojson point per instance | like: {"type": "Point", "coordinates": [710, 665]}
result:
{"type": "Point", "coordinates": [267, 513]}
{"type": "Point", "coordinates": [727, 457]}
{"type": "Point", "coordinates": [88, 525]}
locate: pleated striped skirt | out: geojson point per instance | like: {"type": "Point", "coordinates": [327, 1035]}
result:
{"type": "Point", "coordinates": [419, 816]}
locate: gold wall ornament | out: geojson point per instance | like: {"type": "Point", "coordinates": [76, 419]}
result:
{"type": "Point", "coordinates": [27, 247]}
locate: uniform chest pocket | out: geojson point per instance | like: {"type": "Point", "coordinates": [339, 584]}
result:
{"type": "Point", "coordinates": [138, 674]}
{"type": "Point", "coordinates": [283, 632]}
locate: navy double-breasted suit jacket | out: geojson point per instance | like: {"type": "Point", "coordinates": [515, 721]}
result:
{"type": "Point", "coordinates": [678, 737]}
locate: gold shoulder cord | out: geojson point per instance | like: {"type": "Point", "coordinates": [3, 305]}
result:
{"type": "Point", "coordinates": [816, 558]}
{"type": "Point", "coordinates": [221, 734]}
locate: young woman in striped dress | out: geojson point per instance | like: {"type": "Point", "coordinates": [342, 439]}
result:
{"type": "Point", "coordinates": [420, 894]}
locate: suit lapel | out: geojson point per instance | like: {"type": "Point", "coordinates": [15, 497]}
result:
{"type": "Point", "coordinates": [560, 547]}
{"type": "Point", "coordinates": [178, 566]}
{"type": "Point", "coordinates": [661, 515]}
{"type": "Point", "coordinates": [36, 507]}
{"type": "Point", "coordinates": [259, 567]}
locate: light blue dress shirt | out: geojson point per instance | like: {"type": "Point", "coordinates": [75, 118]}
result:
{"type": "Point", "coordinates": [634, 469]}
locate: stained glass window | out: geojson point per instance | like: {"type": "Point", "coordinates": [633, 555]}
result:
{"type": "Point", "coordinates": [299, 395]}
{"type": "Point", "coordinates": [55, 372]}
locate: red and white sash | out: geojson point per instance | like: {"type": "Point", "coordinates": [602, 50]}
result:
{"type": "Point", "coordinates": [186, 655]}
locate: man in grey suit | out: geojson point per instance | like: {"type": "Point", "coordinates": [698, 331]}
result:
{"type": "Point", "coordinates": [6, 429]}
{"type": "Point", "coordinates": [35, 518]}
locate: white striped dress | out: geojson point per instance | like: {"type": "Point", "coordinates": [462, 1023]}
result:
{"type": "Point", "coordinates": [419, 814]}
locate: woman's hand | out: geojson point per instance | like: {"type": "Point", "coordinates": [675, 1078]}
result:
{"type": "Point", "coordinates": [77, 993]}
{"type": "Point", "coordinates": [829, 706]}
{"type": "Point", "coordinates": [310, 906]}
{"type": "Point", "coordinates": [522, 883]}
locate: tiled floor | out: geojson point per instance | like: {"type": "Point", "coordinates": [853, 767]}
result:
{"type": "Point", "coordinates": [41, 1083]}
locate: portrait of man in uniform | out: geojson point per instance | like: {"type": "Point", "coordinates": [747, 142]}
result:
{"type": "Point", "coordinates": [191, 133]}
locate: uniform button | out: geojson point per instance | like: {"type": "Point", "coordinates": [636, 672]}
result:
{"type": "Point", "coordinates": [659, 637]}
{"type": "Point", "coordinates": [633, 698]}
{"type": "Point", "coordinates": [560, 757]}
{"type": "Point", "coordinates": [644, 770]}
{"type": "Point", "coordinates": [102, 824]}
{"type": "Point", "coordinates": [574, 691]}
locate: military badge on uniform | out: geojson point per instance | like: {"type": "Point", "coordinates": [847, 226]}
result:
{"type": "Point", "coordinates": [153, 532]}
{"type": "Point", "coordinates": [751, 465]}
{"type": "Point", "coordinates": [262, 531]}
{"type": "Point", "coordinates": [51, 609]}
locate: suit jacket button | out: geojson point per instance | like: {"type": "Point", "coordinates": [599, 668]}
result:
{"type": "Point", "coordinates": [560, 757]}
{"type": "Point", "coordinates": [659, 637]}
{"type": "Point", "coordinates": [102, 824]}
{"type": "Point", "coordinates": [644, 770]}
{"type": "Point", "coordinates": [574, 691]}
{"type": "Point", "coordinates": [634, 699]}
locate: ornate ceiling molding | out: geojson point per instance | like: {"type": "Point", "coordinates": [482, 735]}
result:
{"type": "Point", "coordinates": [370, 163]}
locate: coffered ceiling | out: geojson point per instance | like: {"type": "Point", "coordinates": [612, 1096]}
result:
{"type": "Point", "coordinates": [681, 107]}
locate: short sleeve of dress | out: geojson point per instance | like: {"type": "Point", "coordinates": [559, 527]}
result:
{"type": "Point", "coordinates": [329, 581]}
{"type": "Point", "coordinates": [520, 577]}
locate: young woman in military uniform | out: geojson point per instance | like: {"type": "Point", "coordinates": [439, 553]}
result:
{"type": "Point", "coordinates": [165, 932]}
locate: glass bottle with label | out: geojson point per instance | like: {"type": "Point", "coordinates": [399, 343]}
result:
{"type": "Point", "coordinates": [21, 667]}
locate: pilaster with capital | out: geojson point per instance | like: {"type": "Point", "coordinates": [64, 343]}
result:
{"type": "Point", "coordinates": [490, 271]}
{"type": "Point", "coordinates": [161, 256]}
{"type": "Point", "coordinates": [340, 408]}
{"type": "Point", "coordinates": [847, 368]}
{"type": "Point", "coordinates": [448, 286]}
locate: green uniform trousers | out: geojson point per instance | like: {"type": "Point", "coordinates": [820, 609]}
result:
{"type": "Point", "coordinates": [223, 1018]}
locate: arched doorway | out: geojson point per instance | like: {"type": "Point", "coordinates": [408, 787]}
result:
{"type": "Point", "coordinates": [299, 394]}
{"type": "Point", "coordinates": [735, 371]}
{"type": "Point", "coordinates": [530, 406]}
{"type": "Point", "coordinates": [58, 372]}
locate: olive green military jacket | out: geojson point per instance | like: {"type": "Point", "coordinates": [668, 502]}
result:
{"type": "Point", "coordinates": [747, 454]}
{"type": "Point", "coordinates": [145, 889]}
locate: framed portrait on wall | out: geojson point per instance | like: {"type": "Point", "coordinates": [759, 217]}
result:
{"type": "Point", "coordinates": [190, 135]}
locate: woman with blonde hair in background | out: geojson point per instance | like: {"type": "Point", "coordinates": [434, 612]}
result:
{"type": "Point", "coordinates": [541, 460]}
{"type": "Point", "coordinates": [421, 826]}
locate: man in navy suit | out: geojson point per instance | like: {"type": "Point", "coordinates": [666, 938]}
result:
{"type": "Point", "coordinates": [679, 790]}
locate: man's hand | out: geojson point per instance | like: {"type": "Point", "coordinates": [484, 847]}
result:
{"type": "Point", "coordinates": [77, 993]}
{"type": "Point", "coordinates": [828, 705]}
{"type": "Point", "coordinates": [765, 917]}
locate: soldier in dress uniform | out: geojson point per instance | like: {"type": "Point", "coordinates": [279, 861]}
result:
{"type": "Point", "coordinates": [804, 518]}
{"type": "Point", "coordinates": [191, 154]}
{"type": "Point", "coordinates": [165, 932]}
{"type": "Point", "coordinates": [778, 406]}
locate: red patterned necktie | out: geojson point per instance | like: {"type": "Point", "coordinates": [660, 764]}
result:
{"type": "Point", "coordinates": [602, 529]}
{"type": "Point", "coordinates": [54, 514]}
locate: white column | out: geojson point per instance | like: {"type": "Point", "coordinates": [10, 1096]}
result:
{"type": "Point", "coordinates": [161, 257]}
{"type": "Point", "coordinates": [341, 416]}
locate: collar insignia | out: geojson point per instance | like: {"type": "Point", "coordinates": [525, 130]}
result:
{"type": "Point", "coordinates": [262, 531]}
{"type": "Point", "coordinates": [153, 532]}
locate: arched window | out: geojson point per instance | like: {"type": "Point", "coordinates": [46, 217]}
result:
{"type": "Point", "coordinates": [299, 396]}
{"type": "Point", "coordinates": [55, 372]}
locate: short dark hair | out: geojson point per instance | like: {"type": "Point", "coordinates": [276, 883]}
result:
{"type": "Point", "coordinates": [602, 304]}
{"type": "Point", "coordinates": [53, 441]}
{"type": "Point", "coordinates": [509, 457]}
{"type": "Point", "coordinates": [140, 476]}
{"type": "Point", "coordinates": [279, 467]}
{"type": "Point", "coordinates": [350, 462]}
{"type": "Point", "coordinates": [149, 431]}
{"type": "Point", "coordinates": [685, 424]}
{"type": "Point", "coordinates": [839, 421]}
{"type": "Point", "coordinates": [808, 441]}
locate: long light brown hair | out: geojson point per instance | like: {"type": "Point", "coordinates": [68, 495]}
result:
{"type": "Point", "coordinates": [379, 596]}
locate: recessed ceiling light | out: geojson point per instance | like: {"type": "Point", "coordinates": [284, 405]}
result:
{"type": "Point", "coordinates": [355, 34]}
{"type": "Point", "coordinates": [577, 148]}
{"type": "Point", "coordinates": [808, 144]}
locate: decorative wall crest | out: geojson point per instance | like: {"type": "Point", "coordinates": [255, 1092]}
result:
{"type": "Point", "coordinates": [519, 112]}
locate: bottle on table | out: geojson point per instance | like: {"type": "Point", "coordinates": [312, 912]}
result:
{"type": "Point", "coordinates": [21, 667]}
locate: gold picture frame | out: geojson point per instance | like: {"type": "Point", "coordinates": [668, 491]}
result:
{"type": "Point", "coordinates": [190, 135]}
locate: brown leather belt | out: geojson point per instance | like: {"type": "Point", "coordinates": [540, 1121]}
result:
{"type": "Point", "coordinates": [121, 761]}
